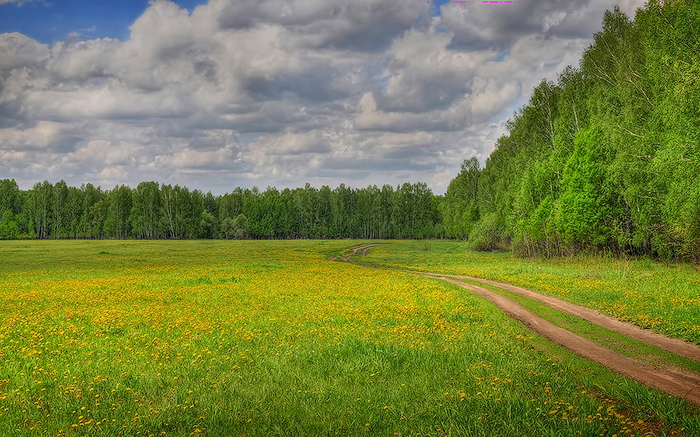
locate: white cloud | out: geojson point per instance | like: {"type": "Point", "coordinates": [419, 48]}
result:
{"type": "Point", "coordinates": [10, 156]}
{"type": "Point", "coordinates": [17, 50]}
{"type": "Point", "coordinates": [489, 97]}
{"type": "Point", "coordinates": [332, 91]}
{"type": "Point", "coordinates": [104, 152]}
{"type": "Point", "coordinates": [80, 60]}
{"type": "Point", "coordinates": [40, 136]}
{"type": "Point", "coordinates": [187, 158]}
{"type": "Point", "coordinates": [17, 2]}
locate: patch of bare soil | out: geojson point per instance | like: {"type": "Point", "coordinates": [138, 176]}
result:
{"type": "Point", "coordinates": [363, 248]}
{"type": "Point", "coordinates": [672, 380]}
{"type": "Point", "coordinates": [364, 252]}
{"type": "Point", "coordinates": [673, 345]}
{"type": "Point", "coordinates": [669, 379]}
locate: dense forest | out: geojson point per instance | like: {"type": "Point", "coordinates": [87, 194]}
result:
{"type": "Point", "coordinates": [607, 159]}
{"type": "Point", "coordinates": [163, 211]}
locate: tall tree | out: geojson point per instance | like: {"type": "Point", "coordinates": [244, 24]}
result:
{"type": "Point", "coordinates": [41, 208]}
{"type": "Point", "coordinates": [145, 210]}
{"type": "Point", "coordinates": [117, 224]}
{"type": "Point", "coordinates": [59, 211]}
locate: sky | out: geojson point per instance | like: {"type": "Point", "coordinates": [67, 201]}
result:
{"type": "Point", "coordinates": [219, 94]}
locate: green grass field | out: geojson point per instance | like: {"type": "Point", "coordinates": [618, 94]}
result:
{"type": "Point", "coordinates": [662, 297]}
{"type": "Point", "coordinates": [269, 338]}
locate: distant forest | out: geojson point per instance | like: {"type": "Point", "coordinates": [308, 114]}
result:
{"type": "Point", "coordinates": [163, 211]}
{"type": "Point", "coordinates": [607, 159]}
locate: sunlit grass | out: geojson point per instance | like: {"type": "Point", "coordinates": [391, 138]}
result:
{"type": "Point", "coordinates": [610, 339]}
{"type": "Point", "coordinates": [654, 295]}
{"type": "Point", "coordinates": [267, 338]}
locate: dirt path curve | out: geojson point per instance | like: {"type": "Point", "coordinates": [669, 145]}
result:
{"type": "Point", "coordinates": [670, 379]}
{"type": "Point", "coordinates": [363, 248]}
{"type": "Point", "coordinates": [673, 345]}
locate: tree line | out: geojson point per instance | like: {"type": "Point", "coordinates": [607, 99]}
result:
{"type": "Point", "coordinates": [637, 92]}
{"type": "Point", "coordinates": [152, 211]}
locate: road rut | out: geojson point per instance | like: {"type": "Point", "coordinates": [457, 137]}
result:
{"type": "Point", "coordinates": [672, 380]}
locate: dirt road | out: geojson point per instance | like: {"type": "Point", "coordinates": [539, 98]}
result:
{"type": "Point", "coordinates": [672, 380]}
{"type": "Point", "coordinates": [673, 345]}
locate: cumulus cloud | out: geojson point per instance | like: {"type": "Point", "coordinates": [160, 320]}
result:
{"type": "Point", "coordinates": [364, 25]}
{"type": "Point", "coordinates": [482, 26]}
{"type": "Point", "coordinates": [424, 75]}
{"type": "Point", "coordinates": [79, 61]}
{"type": "Point", "coordinates": [324, 92]}
{"type": "Point", "coordinates": [40, 136]}
{"type": "Point", "coordinates": [103, 151]}
{"type": "Point", "coordinates": [17, 50]}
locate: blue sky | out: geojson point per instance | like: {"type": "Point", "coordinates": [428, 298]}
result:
{"type": "Point", "coordinates": [52, 20]}
{"type": "Point", "coordinates": [271, 92]}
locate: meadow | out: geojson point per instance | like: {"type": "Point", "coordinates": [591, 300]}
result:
{"type": "Point", "coordinates": [664, 297]}
{"type": "Point", "coordinates": [270, 338]}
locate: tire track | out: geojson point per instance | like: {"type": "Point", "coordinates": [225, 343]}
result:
{"type": "Point", "coordinates": [670, 379]}
{"type": "Point", "coordinates": [673, 345]}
